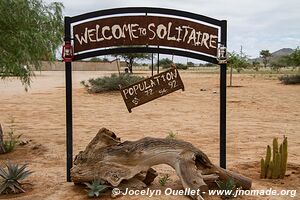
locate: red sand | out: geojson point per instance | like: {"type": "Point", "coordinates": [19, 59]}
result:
{"type": "Point", "coordinates": [258, 111]}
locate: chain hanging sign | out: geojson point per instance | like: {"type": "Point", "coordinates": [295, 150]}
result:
{"type": "Point", "coordinates": [146, 30]}
{"type": "Point", "coordinates": [151, 88]}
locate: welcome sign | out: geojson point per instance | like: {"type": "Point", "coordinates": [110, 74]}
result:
{"type": "Point", "coordinates": [145, 30]}
{"type": "Point", "coordinates": [151, 88]}
{"type": "Point", "coordinates": [106, 32]}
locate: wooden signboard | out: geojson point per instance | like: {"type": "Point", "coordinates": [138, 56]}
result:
{"type": "Point", "coordinates": [151, 88]}
{"type": "Point", "coordinates": [146, 30]}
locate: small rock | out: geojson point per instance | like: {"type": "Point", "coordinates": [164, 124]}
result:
{"type": "Point", "coordinates": [23, 142]}
{"type": "Point", "coordinates": [215, 92]}
{"type": "Point", "coordinates": [202, 89]}
{"type": "Point", "coordinates": [37, 146]}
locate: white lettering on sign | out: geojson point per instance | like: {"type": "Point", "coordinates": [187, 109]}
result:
{"type": "Point", "coordinates": [147, 85]}
{"type": "Point", "coordinates": [153, 31]}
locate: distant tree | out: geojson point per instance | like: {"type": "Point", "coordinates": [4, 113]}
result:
{"type": "Point", "coordinates": [265, 55]}
{"type": "Point", "coordinates": [276, 66]}
{"type": "Point", "coordinates": [181, 66]}
{"type": "Point", "coordinates": [208, 65]}
{"type": "Point", "coordinates": [237, 62]}
{"type": "Point", "coordinates": [30, 31]}
{"type": "Point", "coordinates": [95, 59]}
{"type": "Point", "coordinates": [105, 60]}
{"type": "Point", "coordinates": [294, 58]}
{"type": "Point", "coordinates": [279, 63]}
{"type": "Point", "coordinates": [190, 64]}
{"type": "Point", "coordinates": [255, 65]}
{"type": "Point", "coordinates": [130, 58]}
{"type": "Point", "coordinates": [165, 63]}
{"type": "Point", "coordinates": [99, 59]}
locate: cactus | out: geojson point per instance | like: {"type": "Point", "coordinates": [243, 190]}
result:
{"type": "Point", "coordinates": [265, 163]}
{"type": "Point", "coordinates": [268, 159]}
{"type": "Point", "coordinates": [270, 170]}
{"type": "Point", "coordinates": [275, 147]}
{"type": "Point", "coordinates": [262, 168]}
{"type": "Point", "coordinates": [276, 167]}
{"type": "Point", "coordinates": [284, 157]}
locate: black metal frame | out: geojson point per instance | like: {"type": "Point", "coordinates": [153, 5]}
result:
{"type": "Point", "coordinates": [222, 24]}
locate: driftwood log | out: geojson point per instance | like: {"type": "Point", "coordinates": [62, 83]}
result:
{"type": "Point", "coordinates": [130, 162]}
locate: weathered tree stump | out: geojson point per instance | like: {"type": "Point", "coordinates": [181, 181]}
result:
{"type": "Point", "coordinates": [108, 159]}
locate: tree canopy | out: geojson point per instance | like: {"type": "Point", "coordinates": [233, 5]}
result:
{"type": "Point", "coordinates": [130, 58]}
{"type": "Point", "coordinates": [294, 58]}
{"type": "Point", "coordinates": [265, 55]}
{"type": "Point", "coordinates": [237, 61]}
{"type": "Point", "coordinates": [165, 62]}
{"type": "Point", "coordinates": [30, 31]}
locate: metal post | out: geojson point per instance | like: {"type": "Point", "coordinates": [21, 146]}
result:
{"type": "Point", "coordinates": [152, 67]}
{"type": "Point", "coordinates": [69, 121]}
{"type": "Point", "coordinates": [223, 85]}
{"type": "Point", "coordinates": [158, 61]}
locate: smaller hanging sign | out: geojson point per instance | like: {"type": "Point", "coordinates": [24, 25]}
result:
{"type": "Point", "coordinates": [151, 88]}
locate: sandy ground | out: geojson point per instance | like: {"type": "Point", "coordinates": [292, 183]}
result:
{"type": "Point", "coordinates": [260, 109]}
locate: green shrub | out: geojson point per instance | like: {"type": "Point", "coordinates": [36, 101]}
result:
{"type": "Point", "coordinates": [11, 177]}
{"type": "Point", "coordinates": [11, 142]}
{"type": "Point", "coordinates": [178, 66]}
{"type": "Point", "coordinates": [290, 79]}
{"type": "Point", "coordinates": [96, 188]}
{"type": "Point", "coordinates": [181, 66]}
{"type": "Point", "coordinates": [165, 66]}
{"type": "Point", "coordinates": [110, 83]}
{"type": "Point", "coordinates": [171, 135]}
{"type": "Point", "coordinates": [163, 180]}
{"type": "Point", "coordinates": [165, 63]}
{"type": "Point", "coordinates": [227, 186]}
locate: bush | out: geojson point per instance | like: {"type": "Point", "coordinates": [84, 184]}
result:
{"type": "Point", "coordinates": [181, 66]}
{"type": "Point", "coordinates": [178, 66]}
{"type": "Point", "coordinates": [154, 67]}
{"type": "Point", "coordinates": [165, 62]}
{"type": "Point", "coordinates": [165, 66]}
{"type": "Point", "coordinates": [290, 79]}
{"type": "Point", "coordinates": [190, 64]}
{"type": "Point", "coordinates": [96, 188]}
{"type": "Point", "coordinates": [12, 176]}
{"type": "Point", "coordinates": [11, 140]}
{"type": "Point", "coordinates": [171, 135]}
{"type": "Point", "coordinates": [112, 83]}
{"type": "Point", "coordinates": [10, 144]}
{"type": "Point", "coordinates": [163, 180]}
{"type": "Point", "coordinates": [228, 185]}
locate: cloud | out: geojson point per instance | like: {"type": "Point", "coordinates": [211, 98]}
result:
{"type": "Point", "coordinates": [254, 24]}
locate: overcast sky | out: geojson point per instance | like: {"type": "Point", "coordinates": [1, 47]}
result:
{"type": "Point", "coordinates": [254, 24]}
